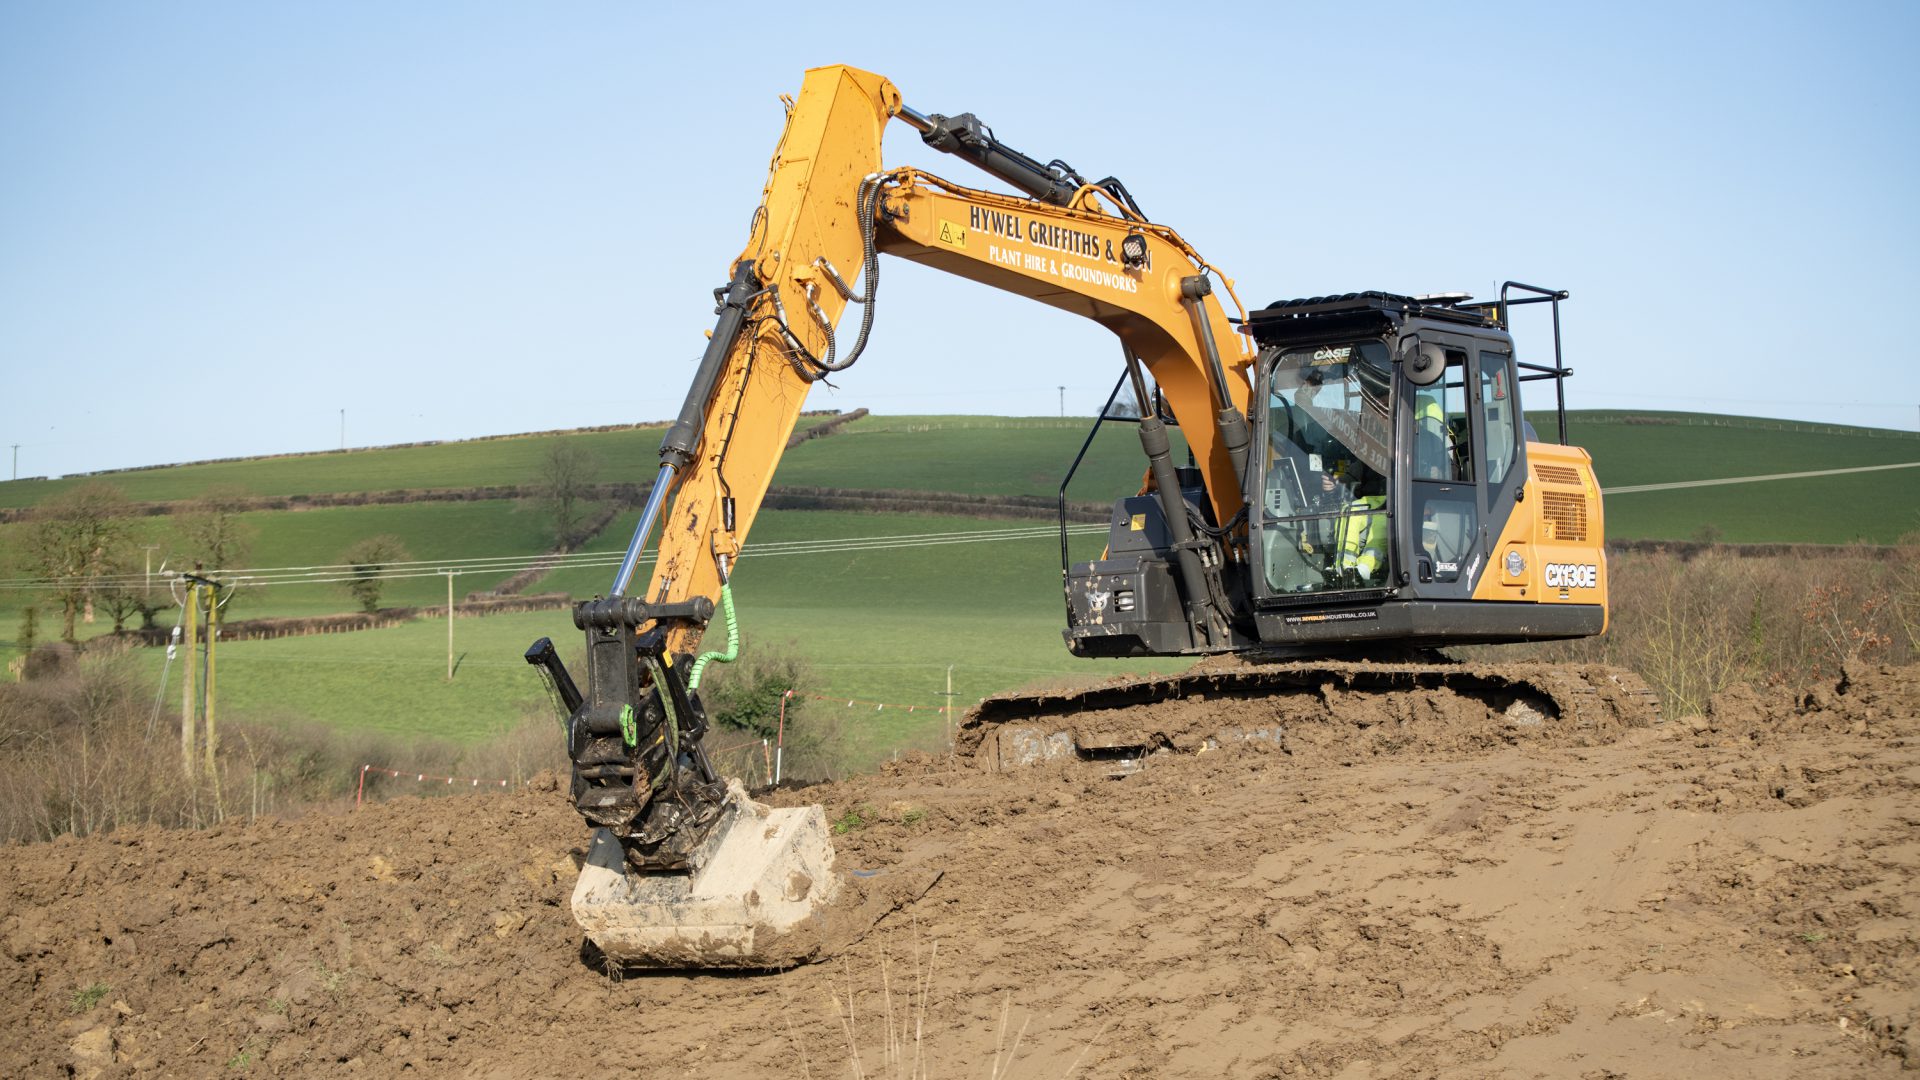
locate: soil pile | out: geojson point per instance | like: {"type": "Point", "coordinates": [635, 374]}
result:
{"type": "Point", "coordinates": [1733, 894]}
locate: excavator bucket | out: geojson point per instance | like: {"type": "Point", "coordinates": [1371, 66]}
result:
{"type": "Point", "coordinates": [760, 879]}
{"type": "Point", "coordinates": [761, 892]}
{"type": "Point", "coordinates": [684, 870]}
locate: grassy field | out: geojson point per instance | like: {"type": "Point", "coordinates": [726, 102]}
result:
{"type": "Point", "coordinates": [967, 455]}
{"type": "Point", "coordinates": [1869, 508]}
{"type": "Point", "coordinates": [972, 455]}
{"type": "Point", "coordinates": [430, 530]}
{"type": "Point", "coordinates": [1029, 456]}
{"type": "Point", "coordinates": [1629, 450]}
{"type": "Point", "coordinates": [391, 680]}
{"type": "Point", "coordinates": [879, 626]}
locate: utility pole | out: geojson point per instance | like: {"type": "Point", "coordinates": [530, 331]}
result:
{"type": "Point", "coordinates": [188, 680]}
{"type": "Point", "coordinates": [449, 574]}
{"type": "Point", "coordinates": [16, 461]}
{"type": "Point", "coordinates": [206, 712]}
{"type": "Point", "coordinates": [197, 709]}
{"type": "Point", "coordinates": [343, 429]}
{"type": "Point", "coordinates": [148, 548]}
{"type": "Point", "coordinates": [1063, 402]}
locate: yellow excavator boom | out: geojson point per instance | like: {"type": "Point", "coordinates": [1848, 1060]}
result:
{"type": "Point", "coordinates": [826, 209]}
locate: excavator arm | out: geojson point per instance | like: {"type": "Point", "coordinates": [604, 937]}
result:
{"type": "Point", "coordinates": [828, 212]}
{"type": "Point", "coordinates": [773, 339]}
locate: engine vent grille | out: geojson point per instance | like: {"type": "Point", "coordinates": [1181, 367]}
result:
{"type": "Point", "coordinates": [1556, 474]}
{"type": "Point", "coordinates": [1565, 515]}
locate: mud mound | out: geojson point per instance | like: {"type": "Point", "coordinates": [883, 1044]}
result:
{"type": "Point", "coordinates": [1863, 696]}
{"type": "Point", "coordinates": [1726, 895]}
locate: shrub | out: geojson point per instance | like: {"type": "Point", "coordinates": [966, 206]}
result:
{"type": "Point", "coordinates": [83, 749]}
{"type": "Point", "coordinates": [369, 559]}
{"type": "Point", "coordinates": [744, 698]}
{"type": "Point", "coordinates": [1695, 622]}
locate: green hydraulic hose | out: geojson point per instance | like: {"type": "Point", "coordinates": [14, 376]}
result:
{"type": "Point", "coordinates": [733, 641]}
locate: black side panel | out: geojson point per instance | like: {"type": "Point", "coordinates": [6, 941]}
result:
{"type": "Point", "coordinates": [1125, 606]}
{"type": "Point", "coordinates": [1431, 623]}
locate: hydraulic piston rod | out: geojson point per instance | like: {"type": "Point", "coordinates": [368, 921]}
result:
{"type": "Point", "coordinates": [965, 137]}
{"type": "Point", "coordinates": [682, 440]}
{"type": "Point", "coordinates": [657, 498]}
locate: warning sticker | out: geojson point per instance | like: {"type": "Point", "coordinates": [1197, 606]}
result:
{"type": "Point", "coordinates": [953, 234]}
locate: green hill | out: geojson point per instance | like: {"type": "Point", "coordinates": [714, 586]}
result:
{"type": "Point", "coordinates": [880, 619]}
{"type": "Point", "coordinates": [1631, 449]}
{"type": "Point", "coordinates": [880, 625]}
{"type": "Point", "coordinates": [626, 453]}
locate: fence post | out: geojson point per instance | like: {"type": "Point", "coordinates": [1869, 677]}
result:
{"type": "Point", "coordinates": [780, 747]}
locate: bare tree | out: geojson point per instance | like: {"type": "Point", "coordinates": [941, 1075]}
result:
{"type": "Point", "coordinates": [72, 540]}
{"type": "Point", "coordinates": [123, 592]}
{"type": "Point", "coordinates": [369, 559]}
{"type": "Point", "coordinates": [212, 533]}
{"type": "Point", "coordinates": [566, 474]}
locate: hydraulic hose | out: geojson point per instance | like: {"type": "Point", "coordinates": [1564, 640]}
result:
{"type": "Point", "coordinates": [866, 207]}
{"type": "Point", "coordinates": [732, 652]}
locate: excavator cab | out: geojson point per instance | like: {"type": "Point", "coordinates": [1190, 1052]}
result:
{"type": "Point", "coordinates": [1388, 502]}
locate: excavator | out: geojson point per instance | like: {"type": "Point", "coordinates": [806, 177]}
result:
{"type": "Point", "coordinates": [1360, 488]}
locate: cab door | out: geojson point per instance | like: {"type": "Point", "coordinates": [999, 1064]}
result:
{"type": "Point", "coordinates": [1499, 433]}
{"type": "Point", "coordinates": [1442, 536]}
{"type": "Point", "coordinates": [1465, 464]}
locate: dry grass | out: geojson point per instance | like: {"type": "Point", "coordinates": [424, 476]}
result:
{"type": "Point", "coordinates": [888, 1032]}
{"type": "Point", "coordinates": [1694, 623]}
{"type": "Point", "coordinates": [86, 748]}
{"type": "Point", "coordinates": [902, 1015]}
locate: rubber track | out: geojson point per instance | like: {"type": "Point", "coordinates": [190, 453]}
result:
{"type": "Point", "coordinates": [1180, 711]}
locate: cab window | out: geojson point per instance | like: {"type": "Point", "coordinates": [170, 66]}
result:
{"type": "Point", "coordinates": [1330, 451]}
{"type": "Point", "coordinates": [1500, 406]}
{"type": "Point", "coordinates": [1441, 438]}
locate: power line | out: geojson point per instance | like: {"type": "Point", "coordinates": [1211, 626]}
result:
{"type": "Point", "coordinates": [506, 565]}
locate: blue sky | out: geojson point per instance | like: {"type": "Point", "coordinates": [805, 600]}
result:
{"type": "Point", "coordinates": [221, 224]}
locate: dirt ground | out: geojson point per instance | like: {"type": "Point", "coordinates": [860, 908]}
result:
{"type": "Point", "coordinates": [1732, 895]}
